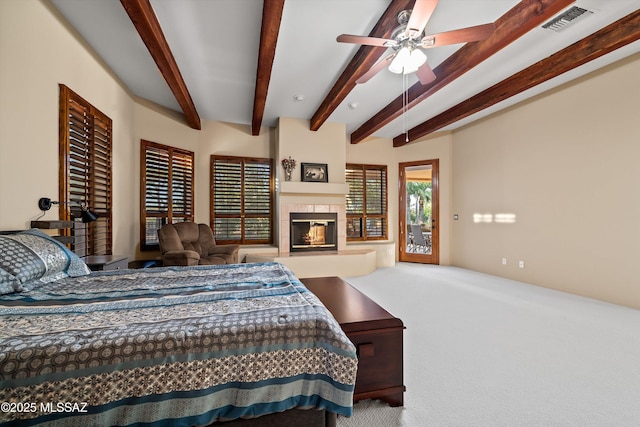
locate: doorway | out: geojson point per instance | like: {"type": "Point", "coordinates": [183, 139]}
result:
{"type": "Point", "coordinates": [419, 212]}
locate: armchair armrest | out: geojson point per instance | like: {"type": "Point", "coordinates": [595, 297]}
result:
{"type": "Point", "coordinates": [183, 257]}
{"type": "Point", "coordinates": [228, 252]}
{"type": "Point", "coordinates": [224, 249]}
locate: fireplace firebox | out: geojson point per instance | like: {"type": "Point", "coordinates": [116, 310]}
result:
{"type": "Point", "coordinates": [313, 231]}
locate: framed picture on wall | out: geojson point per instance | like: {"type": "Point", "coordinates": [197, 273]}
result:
{"type": "Point", "coordinates": [314, 172]}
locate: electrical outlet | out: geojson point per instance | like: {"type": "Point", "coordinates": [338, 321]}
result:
{"type": "Point", "coordinates": [504, 261]}
{"type": "Point", "coordinates": [521, 264]}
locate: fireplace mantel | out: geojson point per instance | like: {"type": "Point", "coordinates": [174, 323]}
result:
{"type": "Point", "coordinates": [297, 187]}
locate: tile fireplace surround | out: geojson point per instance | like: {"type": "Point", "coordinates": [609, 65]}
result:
{"type": "Point", "coordinates": [315, 231]}
{"type": "Point", "coordinates": [286, 209]}
{"type": "Point", "coordinates": [343, 262]}
{"type": "Point", "coordinates": [304, 197]}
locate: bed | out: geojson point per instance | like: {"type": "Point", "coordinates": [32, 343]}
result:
{"type": "Point", "coordinates": [176, 346]}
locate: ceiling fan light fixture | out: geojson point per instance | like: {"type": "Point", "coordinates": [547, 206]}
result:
{"type": "Point", "coordinates": [408, 39]}
{"type": "Point", "coordinates": [416, 59]}
{"type": "Point", "coordinates": [399, 62]}
{"type": "Point", "coordinates": [407, 61]}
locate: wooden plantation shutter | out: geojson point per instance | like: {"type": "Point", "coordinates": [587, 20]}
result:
{"type": "Point", "coordinates": [355, 203]}
{"type": "Point", "coordinates": [167, 177]}
{"type": "Point", "coordinates": [181, 185]}
{"type": "Point", "coordinates": [85, 171]}
{"type": "Point", "coordinates": [242, 194]}
{"type": "Point", "coordinates": [366, 203]}
{"type": "Point", "coordinates": [155, 193]}
{"type": "Point", "coordinates": [226, 196]}
{"type": "Point", "coordinates": [376, 202]}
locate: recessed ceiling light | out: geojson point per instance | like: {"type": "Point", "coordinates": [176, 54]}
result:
{"type": "Point", "coordinates": [354, 105]}
{"type": "Point", "coordinates": [298, 97]}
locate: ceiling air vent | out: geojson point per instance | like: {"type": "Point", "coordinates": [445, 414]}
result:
{"type": "Point", "coordinates": [572, 15]}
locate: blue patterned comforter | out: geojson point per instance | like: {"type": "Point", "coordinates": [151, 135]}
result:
{"type": "Point", "coordinates": [170, 346]}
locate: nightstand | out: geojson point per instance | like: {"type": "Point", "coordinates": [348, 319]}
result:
{"type": "Point", "coordinates": [106, 262]}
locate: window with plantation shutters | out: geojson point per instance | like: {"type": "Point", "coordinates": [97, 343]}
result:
{"type": "Point", "coordinates": [242, 194]}
{"type": "Point", "coordinates": [85, 172]}
{"type": "Point", "coordinates": [366, 203]}
{"type": "Point", "coordinates": [166, 189]}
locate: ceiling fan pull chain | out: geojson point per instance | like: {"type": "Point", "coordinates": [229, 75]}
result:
{"type": "Point", "coordinates": [405, 101]}
{"type": "Point", "coordinates": [402, 83]}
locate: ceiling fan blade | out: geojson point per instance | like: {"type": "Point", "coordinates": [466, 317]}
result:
{"type": "Point", "coordinates": [463, 35]}
{"type": "Point", "coordinates": [422, 11]}
{"type": "Point", "coordinates": [425, 74]}
{"type": "Point", "coordinates": [369, 41]}
{"type": "Point", "coordinates": [375, 69]}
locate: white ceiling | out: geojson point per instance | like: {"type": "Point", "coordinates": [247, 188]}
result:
{"type": "Point", "coordinates": [215, 44]}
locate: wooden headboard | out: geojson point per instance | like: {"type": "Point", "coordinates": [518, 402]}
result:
{"type": "Point", "coordinates": [10, 231]}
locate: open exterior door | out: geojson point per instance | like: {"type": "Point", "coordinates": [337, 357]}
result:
{"type": "Point", "coordinates": [419, 212]}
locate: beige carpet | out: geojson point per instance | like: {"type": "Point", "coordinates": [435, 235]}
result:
{"type": "Point", "coordinates": [373, 413]}
{"type": "Point", "coordinates": [485, 351]}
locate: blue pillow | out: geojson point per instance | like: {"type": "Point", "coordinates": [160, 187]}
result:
{"type": "Point", "coordinates": [34, 257]}
{"type": "Point", "coordinates": [8, 282]}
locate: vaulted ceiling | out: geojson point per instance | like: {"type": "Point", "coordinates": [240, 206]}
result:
{"type": "Point", "coordinates": [251, 61]}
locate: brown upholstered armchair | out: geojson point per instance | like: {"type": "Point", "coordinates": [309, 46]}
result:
{"type": "Point", "coordinates": [188, 243]}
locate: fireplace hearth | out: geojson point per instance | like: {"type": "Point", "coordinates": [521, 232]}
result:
{"type": "Point", "coordinates": [313, 231]}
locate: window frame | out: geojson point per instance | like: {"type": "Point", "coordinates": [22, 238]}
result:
{"type": "Point", "coordinates": [364, 215]}
{"type": "Point", "coordinates": [85, 151]}
{"type": "Point", "coordinates": [173, 153]}
{"type": "Point", "coordinates": [242, 215]}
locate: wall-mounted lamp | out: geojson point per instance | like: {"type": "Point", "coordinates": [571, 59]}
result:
{"type": "Point", "coordinates": [87, 216]}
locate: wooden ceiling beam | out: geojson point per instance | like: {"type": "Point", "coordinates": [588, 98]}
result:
{"type": "Point", "coordinates": [365, 58]}
{"type": "Point", "coordinates": [144, 19]}
{"type": "Point", "coordinates": [525, 16]}
{"type": "Point", "coordinates": [271, 17]}
{"type": "Point", "coordinates": [602, 42]}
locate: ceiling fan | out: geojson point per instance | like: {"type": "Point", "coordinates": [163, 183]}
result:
{"type": "Point", "coordinates": [408, 39]}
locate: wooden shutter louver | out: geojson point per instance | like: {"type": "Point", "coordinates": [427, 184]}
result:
{"type": "Point", "coordinates": [85, 172]}
{"type": "Point", "coordinates": [181, 187]}
{"type": "Point", "coordinates": [241, 199]}
{"type": "Point", "coordinates": [375, 189]}
{"type": "Point", "coordinates": [227, 200]}
{"type": "Point", "coordinates": [366, 203]}
{"type": "Point", "coordinates": [257, 197]}
{"type": "Point", "coordinates": [355, 203]}
{"type": "Point", "coordinates": [157, 182]}
{"type": "Point", "coordinates": [167, 178]}
{"type": "Point", "coordinates": [355, 198]}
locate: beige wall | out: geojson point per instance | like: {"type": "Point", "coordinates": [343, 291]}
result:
{"type": "Point", "coordinates": [380, 151]}
{"type": "Point", "coordinates": [163, 127]}
{"type": "Point", "coordinates": [566, 166]}
{"type": "Point", "coordinates": [437, 146]}
{"type": "Point", "coordinates": [324, 146]}
{"type": "Point", "coordinates": [37, 53]}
